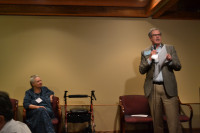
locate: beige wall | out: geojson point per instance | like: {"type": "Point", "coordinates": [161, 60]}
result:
{"type": "Point", "coordinates": [80, 54]}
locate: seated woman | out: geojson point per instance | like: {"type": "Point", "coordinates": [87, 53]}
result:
{"type": "Point", "coordinates": [37, 102]}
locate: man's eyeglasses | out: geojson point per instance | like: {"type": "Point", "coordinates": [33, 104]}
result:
{"type": "Point", "coordinates": [156, 34]}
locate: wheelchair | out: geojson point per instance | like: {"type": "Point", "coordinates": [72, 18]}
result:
{"type": "Point", "coordinates": [80, 115]}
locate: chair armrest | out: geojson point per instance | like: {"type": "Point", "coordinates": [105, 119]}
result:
{"type": "Point", "coordinates": [24, 115]}
{"type": "Point", "coordinates": [59, 113]}
{"type": "Point", "coordinates": [122, 111]}
{"type": "Point", "coordinates": [121, 106]}
{"type": "Point", "coordinates": [14, 103]}
{"type": "Point", "coordinates": [189, 107]}
{"type": "Point", "coordinates": [56, 108]}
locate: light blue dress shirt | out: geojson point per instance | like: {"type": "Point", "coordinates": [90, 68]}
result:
{"type": "Point", "coordinates": [159, 78]}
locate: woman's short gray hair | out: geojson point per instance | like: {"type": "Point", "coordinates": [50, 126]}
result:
{"type": "Point", "coordinates": [150, 32]}
{"type": "Point", "coordinates": [32, 79]}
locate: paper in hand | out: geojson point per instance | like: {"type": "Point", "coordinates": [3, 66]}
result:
{"type": "Point", "coordinates": [162, 56]}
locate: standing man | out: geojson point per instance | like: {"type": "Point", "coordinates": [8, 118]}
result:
{"type": "Point", "coordinates": [158, 62]}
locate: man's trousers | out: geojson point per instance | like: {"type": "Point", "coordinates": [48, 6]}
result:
{"type": "Point", "coordinates": [161, 104]}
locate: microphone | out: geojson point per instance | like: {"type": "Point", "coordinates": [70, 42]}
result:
{"type": "Point", "coordinates": [154, 46]}
{"type": "Point", "coordinates": [155, 56]}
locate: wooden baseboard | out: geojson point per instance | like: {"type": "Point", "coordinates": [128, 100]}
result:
{"type": "Point", "coordinates": [107, 132]}
{"type": "Point", "coordinates": [186, 130]}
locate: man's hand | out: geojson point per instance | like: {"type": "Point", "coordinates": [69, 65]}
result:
{"type": "Point", "coordinates": [169, 57]}
{"type": "Point", "coordinates": [153, 52]}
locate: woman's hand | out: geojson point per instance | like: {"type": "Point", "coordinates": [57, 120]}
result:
{"type": "Point", "coordinates": [51, 98]}
{"type": "Point", "coordinates": [31, 106]}
{"type": "Point", "coordinates": [41, 107]}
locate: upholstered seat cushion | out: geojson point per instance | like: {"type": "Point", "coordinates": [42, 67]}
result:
{"type": "Point", "coordinates": [134, 119]}
{"type": "Point", "coordinates": [183, 118]}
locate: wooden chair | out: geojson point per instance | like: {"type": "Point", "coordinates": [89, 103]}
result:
{"type": "Point", "coordinates": [134, 105]}
{"type": "Point", "coordinates": [15, 108]}
{"type": "Point", "coordinates": [57, 112]}
{"type": "Point", "coordinates": [138, 104]}
{"type": "Point", "coordinates": [183, 116]}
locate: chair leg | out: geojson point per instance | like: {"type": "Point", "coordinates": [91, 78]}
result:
{"type": "Point", "coordinates": [151, 127]}
{"type": "Point", "coordinates": [190, 126]}
{"type": "Point", "coordinates": [122, 127]}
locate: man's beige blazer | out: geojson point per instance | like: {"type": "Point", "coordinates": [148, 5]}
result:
{"type": "Point", "coordinates": [170, 83]}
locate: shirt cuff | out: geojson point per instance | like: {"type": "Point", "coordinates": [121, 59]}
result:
{"type": "Point", "coordinates": [149, 61]}
{"type": "Point", "coordinates": [168, 62]}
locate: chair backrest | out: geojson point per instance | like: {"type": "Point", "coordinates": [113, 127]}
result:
{"type": "Point", "coordinates": [15, 107]}
{"type": "Point", "coordinates": [135, 104]}
{"type": "Point", "coordinates": [55, 105]}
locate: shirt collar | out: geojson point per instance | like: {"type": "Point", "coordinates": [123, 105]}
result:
{"type": "Point", "coordinates": [161, 45]}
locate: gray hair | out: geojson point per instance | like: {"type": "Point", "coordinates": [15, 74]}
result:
{"type": "Point", "coordinates": [150, 32]}
{"type": "Point", "coordinates": [32, 79]}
